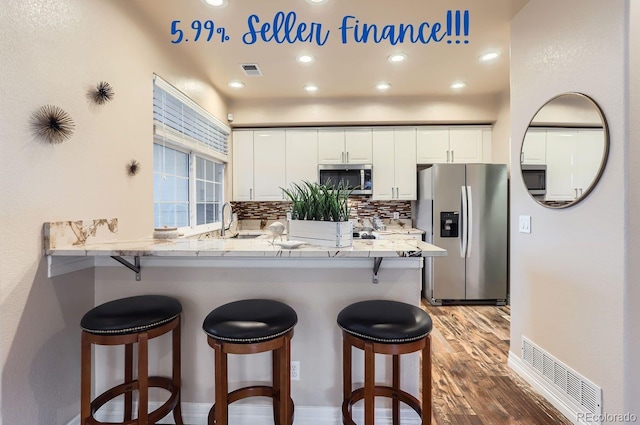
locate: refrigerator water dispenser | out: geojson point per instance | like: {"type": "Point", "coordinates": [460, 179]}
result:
{"type": "Point", "coordinates": [449, 224]}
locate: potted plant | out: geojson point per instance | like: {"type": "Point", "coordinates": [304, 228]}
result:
{"type": "Point", "coordinates": [320, 214]}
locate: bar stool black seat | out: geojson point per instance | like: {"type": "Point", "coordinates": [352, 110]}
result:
{"type": "Point", "coordinates": [385, 327]}
{"type": "Point", "coordinates": [248, 327]}
{"type": "Point", "coordinates": [125, 322]}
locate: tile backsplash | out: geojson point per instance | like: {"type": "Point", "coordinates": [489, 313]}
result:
{"type": "Point", "coordinates": [361, 207]}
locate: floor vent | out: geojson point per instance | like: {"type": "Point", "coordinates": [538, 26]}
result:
{"type": "Point", "coordinates": [251, 69]}
{"type": "Point", "coordinates": [578, 389]}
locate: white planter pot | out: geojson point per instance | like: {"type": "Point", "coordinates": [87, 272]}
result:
{"type": "Point", "coordinates": [325, 233]}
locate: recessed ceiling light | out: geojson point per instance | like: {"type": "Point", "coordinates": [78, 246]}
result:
{"type": "Point", "coordinates": [236, 84]}
{"type": "Point", "coordinates": [311, 88]}
{"type": "Point", "coordinates": [383, 86]}
{"type": "Point", "coordinates": [458, 85]}
{"type": "Point", "coordinates": [316, 1]}
{"type": "Point", "coordinates": [305, 58]}
{"type": "Point", "coordinates": [216, 3]}
{"type": "Point", "coordinates": [397, 57]}
{"type": "Point", "coordinates": [489, 56]}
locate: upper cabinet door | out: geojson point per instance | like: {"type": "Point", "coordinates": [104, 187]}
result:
{"type": "Point", "coordinates": [465, 145]}
{"type": "Point", "coordinates": [301, 156]}
{"type": "Point", "coordinates": [405, 164]}
{"type": "Point", "coordinates": [587, 157]}
{"type": "Point", "coordinates": [269, 165]}
{"type": "Point", "coordinates": [358, 146]}
{"type": "Point", "coordinates": [331, 146]}
{"type": "Point", "coordinates": [242, 165]}
{"type": "Point", "coordinates": [560, 152]}
{"type": "Point", "coordinates": [534, 147]}
{"type": "Point", "coordinates": [432, 145]}
{"type": "Point", "coordinates": [384, 165]}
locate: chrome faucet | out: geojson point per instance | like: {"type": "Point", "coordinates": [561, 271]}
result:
{"type": "Point", "coordinates": [224, 228]}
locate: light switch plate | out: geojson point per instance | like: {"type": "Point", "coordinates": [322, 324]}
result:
{"type": "Point", "coordinates": [525, 224]}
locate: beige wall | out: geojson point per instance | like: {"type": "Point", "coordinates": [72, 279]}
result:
{"type": "Point", "coordinates": [568, 275]}
{"type": "Point", "coordinates": [501, 134]}
{"type": "Point", "coordinates": [52, 52]}
{"type": "Point", "coordinates": [632, 292]}
{"type": "Point", "coordinates": [380, 110]}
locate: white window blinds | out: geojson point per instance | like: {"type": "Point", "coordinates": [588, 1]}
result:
{"type": "Point", "coordinates": [179, 119]}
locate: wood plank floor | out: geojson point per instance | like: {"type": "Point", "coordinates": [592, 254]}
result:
{"type": "Point", "coordinates": [472, 383]}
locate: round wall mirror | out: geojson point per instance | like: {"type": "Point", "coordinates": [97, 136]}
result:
{"type": "Point", "coordinates": [564, 150]}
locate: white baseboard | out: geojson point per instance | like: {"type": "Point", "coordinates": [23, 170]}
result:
{"type": "Point", "coordinates": [545, 388]}
{"type": "Point", "coordinates": [251, 414]}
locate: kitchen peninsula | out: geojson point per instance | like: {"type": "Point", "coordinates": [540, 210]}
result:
{"type": "Point", "coordinates": [203, 274]}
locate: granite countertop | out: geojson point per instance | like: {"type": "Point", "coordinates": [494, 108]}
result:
{"type": "Point", "coordinates": [99, 238]}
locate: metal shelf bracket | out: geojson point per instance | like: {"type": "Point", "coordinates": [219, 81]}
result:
{"type": "Point", "coordinates": [376, 267]}
{"type": "Point", "coordinates": [135, 267]}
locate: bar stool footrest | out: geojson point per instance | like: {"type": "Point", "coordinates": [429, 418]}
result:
{"type": "Point", "coordinates": [156, 415]}
{"type": "Point", "coordinates": [255, 390]}
{"type": "Point", "coordinates": [378, 391]}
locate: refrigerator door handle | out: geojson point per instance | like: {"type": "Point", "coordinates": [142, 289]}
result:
{"type": "Point", "coordinates": [469, 226]}
{"type": "Point", "coordinates": [463, 222]}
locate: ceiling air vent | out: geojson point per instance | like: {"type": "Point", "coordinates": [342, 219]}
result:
{"type": "Point", "coordinates": [251, 69]}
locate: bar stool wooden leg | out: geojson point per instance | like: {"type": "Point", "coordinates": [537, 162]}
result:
{"type": "Point", "coordinates": [346, 371]}
{"type": "Point", "coordinates": [128, 377]}
{"type": "Point", "coordinates": [275, 379]}
{"type": "Point", "coordinates": [284, 384]}
{"type": "Point", "coordinates": [221, 383]}
{"type": "Point", "coordinates": [396, 388]}
{"type": "Point", "coordinates": [177, 373]}
{"type": "Point", "coordinates": [426, 382]}
{"type": "Point", "coordinates": [369, 384]}
{"type": "Point", "coordinates": [85, 379]}
{"type": "Point", "coordinates": [143, 379]}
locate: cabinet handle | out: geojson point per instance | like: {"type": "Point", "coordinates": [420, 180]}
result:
{"type": "Point", "coordinates": [250, 194]}
{"type": "Point", "coordinates": [576, 189]}
{"type": "Point", "coordinates": [397, 193]}
{"type": "Point", "coordinates": [447, 156]}
{"type": "Point", "coordinates": [342, 157]}
{"type": "Point", "coordinates": [452, 156]}
{"type": "Point", "coordinates": [347, 157]}
{"type": "Point", "coordinates": [580, 191]}
{"type": "Point", "coordinates": [393, 196]}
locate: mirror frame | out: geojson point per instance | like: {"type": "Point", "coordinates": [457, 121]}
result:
{"type": "Point", "coordinates": [603, 162]}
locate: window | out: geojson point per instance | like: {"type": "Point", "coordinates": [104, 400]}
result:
{"type": "Point", "coordinates": [189, 156]}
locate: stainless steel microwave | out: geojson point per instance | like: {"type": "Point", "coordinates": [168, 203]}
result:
{"type": "Point", "coordinates": [535, 178]}
{"type": "Point", "coordinates": [358, 176]}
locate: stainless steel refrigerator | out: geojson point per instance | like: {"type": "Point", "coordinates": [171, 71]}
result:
{"type": "Point", "coordinates": [463, 208]}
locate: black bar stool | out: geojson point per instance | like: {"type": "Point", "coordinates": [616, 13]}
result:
{"type": "Point", "coordinates": [248, 327]}
{"type": "Point", "coordinates": [385, 327]}
{"type": "Point", "coordinates": [125, 322]}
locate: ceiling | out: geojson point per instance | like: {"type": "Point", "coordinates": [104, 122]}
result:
{"type": "Point", "coordinates": [342, 70]}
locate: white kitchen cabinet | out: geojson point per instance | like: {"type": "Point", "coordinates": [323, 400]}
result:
{"type": "Point", "coordinates": [432, 145]}
{"type": "Point", "coordinates": [437, 145]}
{"type": "Point", "coordinates": [573, 161]}
{"type": "Point", "coordinates": [301, 156]}
{"type": "Point", "coordinates": [560, 151]}
{"type": "Point", "coordinates": [394, 164]}
{"type": "Point", "coordinates": [258, 165]}
{"type": "Point", "coordinates": [269, 165]}
{"type": "Point", "coordinates": [344, 146]}
{"type": "Point", "coordinates": [590, 143]}
{"type": "Point", "coordinates": [242, 153]}
{"type": "Point", "coordinates": [534, 148]}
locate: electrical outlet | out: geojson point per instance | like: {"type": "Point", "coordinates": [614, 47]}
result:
{"type": "Point", "coordinates": [295, 370]}
{"type": "Point", "coordinates": [396, 215]}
